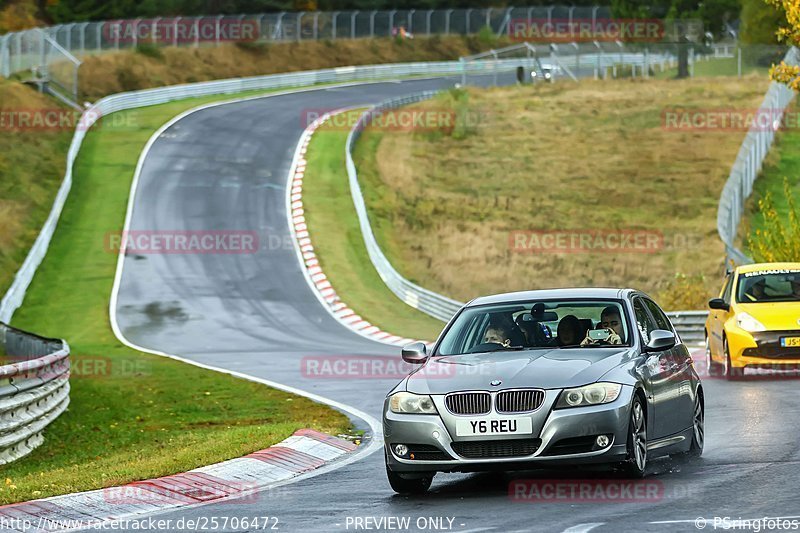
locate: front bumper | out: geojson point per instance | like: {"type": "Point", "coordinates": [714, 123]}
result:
{"type": "Point", "coordinates": [563, 436]}
{"type": "Point", "coordinates": [762, 349]}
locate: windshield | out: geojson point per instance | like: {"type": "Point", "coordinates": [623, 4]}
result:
{"type": "Point", "coordinates": [764, 286]}
{"type": "Point", "coordinates": [536, 324]}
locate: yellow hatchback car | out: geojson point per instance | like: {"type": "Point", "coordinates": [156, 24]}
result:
{"type": "Point", "coordinates": [755, 322]}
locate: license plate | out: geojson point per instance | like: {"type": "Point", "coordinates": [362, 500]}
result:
{"type": "Point", "coordinates": [494, 426]}
{"type": "Point", "coordinates": [790, 342]}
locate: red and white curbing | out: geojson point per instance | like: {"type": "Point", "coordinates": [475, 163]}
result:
{"type": "Point", "coordinates": [304, 451]}
{"type": "Point", "coordinates": [314, 274]}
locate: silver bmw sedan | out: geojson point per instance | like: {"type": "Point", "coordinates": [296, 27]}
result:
{"type": "Point", "coordinates": [540, 378]}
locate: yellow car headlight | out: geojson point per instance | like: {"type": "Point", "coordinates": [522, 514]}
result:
{"type": "Point", "coordinates": [748, 323]}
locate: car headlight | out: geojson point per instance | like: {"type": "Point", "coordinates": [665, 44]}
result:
{"type": "Point", "coordinates": [748, 323]}
{"type": "Point", "coordinates": [409, 403]}
{"type": "Point", "coordinates": [594, 394]}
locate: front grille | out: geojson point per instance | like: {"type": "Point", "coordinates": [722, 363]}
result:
{"type": "Point", "coordinates": [772, 352]}
{"type": "Point", "coordinates": [519, 401]}
{"type": "Point", "coordinates": [426, 452]}
{"type": "Point", "coordinates": [488, 449]}
{"type": "Point", "coordinates": [468, 403]}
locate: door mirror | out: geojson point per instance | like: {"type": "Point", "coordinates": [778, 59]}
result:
{"type": "Point", "coordinates": [415, 353]}
{"type": "Point", "coordinates": [660, 340]}
{"type": "Point", "coordinates": [719, 303]}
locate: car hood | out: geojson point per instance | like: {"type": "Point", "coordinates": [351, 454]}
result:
{"type": "Point", "coordinates": [547, 369]}
{"type": "Point", "coordinates": [780, 316]}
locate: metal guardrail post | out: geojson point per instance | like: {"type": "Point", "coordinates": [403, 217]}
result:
{"type": "Point", "coordinates": [34, 390]}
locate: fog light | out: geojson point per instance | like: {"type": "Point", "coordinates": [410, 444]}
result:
{"type": "Point", "coordinates": [401, 449]}
{"type": "Point", "coordinates": [602, 441]}
{"type": "Point", "coordinates": [435, 434]}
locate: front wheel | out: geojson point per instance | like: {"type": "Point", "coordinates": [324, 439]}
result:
{"type": "Point", "coordinates": [731, 372]}
{"type": "Point", "coordinates": [416, 485]}
{"type": "Point", "coordinates": [698, 426]}
{"type": "Point", "coordinates": [636, 463]}
{"type": "Point", "coordinates": [712, 367]}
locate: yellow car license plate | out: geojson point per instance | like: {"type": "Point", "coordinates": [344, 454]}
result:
{"type": "Point", "coordinates": [790, 342]}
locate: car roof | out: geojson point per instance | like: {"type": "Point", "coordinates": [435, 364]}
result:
{"type": "Point", "coordinates": [744, 269]}
{"type": "Point", "coordinates": [551, 294]}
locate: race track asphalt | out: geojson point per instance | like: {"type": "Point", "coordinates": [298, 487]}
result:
{"type": "Point", "coordinates": [225, 169]}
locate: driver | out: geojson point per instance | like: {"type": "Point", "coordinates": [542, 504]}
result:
{"type": "Point", "coordinates": [497, 334]}
{"type": "Point", "coordinates": [611, 321]}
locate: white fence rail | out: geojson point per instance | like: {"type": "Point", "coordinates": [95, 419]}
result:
{"type": "Point", "coordinates": [749, 161]}
{"type": "Point", "coordinates": [34, 390]}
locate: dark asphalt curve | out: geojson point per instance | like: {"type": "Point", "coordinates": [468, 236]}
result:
{"type": "Point", "coordinates": [225, 169]}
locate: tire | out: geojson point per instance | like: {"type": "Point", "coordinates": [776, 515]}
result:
{"type": "Point", "coordinates": [731, 372]}
{"type": "Point", "coordinates": [698, 426]}
{"type": "Point", "coordinates": [401, 485]}
{"type": "Point", "coordinates": [635, 464]}
{"type": "Point", "coordinates": [713, 368]}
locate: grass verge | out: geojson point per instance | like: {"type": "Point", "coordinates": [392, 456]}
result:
{"type": "Point", "coordinates": [339, 245]}
{"type": "Point", "coordinates": [571, 158]}
{"type": "Point", "coordinates": [31, 166]}
{"type": "Point", "coordinates": [132, 415]}
{"type": "Point", "coordinates": [783, 161]}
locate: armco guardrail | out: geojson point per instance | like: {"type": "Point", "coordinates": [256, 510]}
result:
{"type": "Point", "coordinates": [429, 302]}
{"type": "Point", "coordinates": [34, 389]}
{"type": "Point", "coordinates": [748, 163]}
{"type": "Point", "coordinates": [689, 324]}
{"type": "Point", "coordinates": [130, 100]}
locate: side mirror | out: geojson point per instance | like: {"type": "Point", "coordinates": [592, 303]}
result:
{"type": "Point", "coordinates": [660, 340]}
{"type": "Point", "coordinates": [415, 353]}
{"type": "Point", "coordinates": [719, 303]}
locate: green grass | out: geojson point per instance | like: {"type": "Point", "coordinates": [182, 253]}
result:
{"type": "Point", "coordinates": [132, 415]}
{"type": "Point", "coordinates": [783, 161]}
{"type": "Point", "coordinates": [445, 206]}
{"type": "Point", "coordinates": [339, 245]}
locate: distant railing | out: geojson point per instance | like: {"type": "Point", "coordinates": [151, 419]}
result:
{"type": "Point", "coordinates": [34, 389]}
{"type": "Point", "coordinates": [749, 161]}
{"type": "Point", "coordinates": [20, 51]}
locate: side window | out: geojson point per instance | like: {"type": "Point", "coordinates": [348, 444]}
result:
{"type": "Point", "coordinates": [726, 293]}
{"type": "Point", "coordinates": [662, 322]}
{"type": "Point", "coordinates": [644, 323]}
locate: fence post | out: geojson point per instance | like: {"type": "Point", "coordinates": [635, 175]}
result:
{"type": "Point", "coordinates": [217, 30]}
{"type": "Point", "coordinates": [333, 25]}
{"type": "Point", "coordinates": [299, 25]}
{"type": "Point", "coordinates": [353, 24]}
{"type": "Point", "coordinates": [99, 36]}
{"type": "Point", "coordinates": [175, 31]}
{"type": "Point", "coordinates": [316, 25]}
{"type": "Point", "coordinates": [428, 22]}
{"type": "Point", "coordinates": [489, 16]}
{"type": "Point", "coordinates": [469, 16]}
{"type": "Point", "coordinates": [447, 21]}
{"type": "Point", "coordinates": [410, 20]}
{"type": "Point", "coordinates": [372, 23]}
{"type": "Point", "coordinates": [391, 20]}
{"type": "Point", "coordinates": [135, 41]}
{"type": "Point", "coordinates": [154, 29]}
{"type": "Point", "coordinates": [739, 60]}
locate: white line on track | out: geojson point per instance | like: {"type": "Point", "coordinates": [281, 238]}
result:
{"type": "Point", "coordinates": [583, 528]}
{"type": "Point", "coordinates": [375, 443]}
